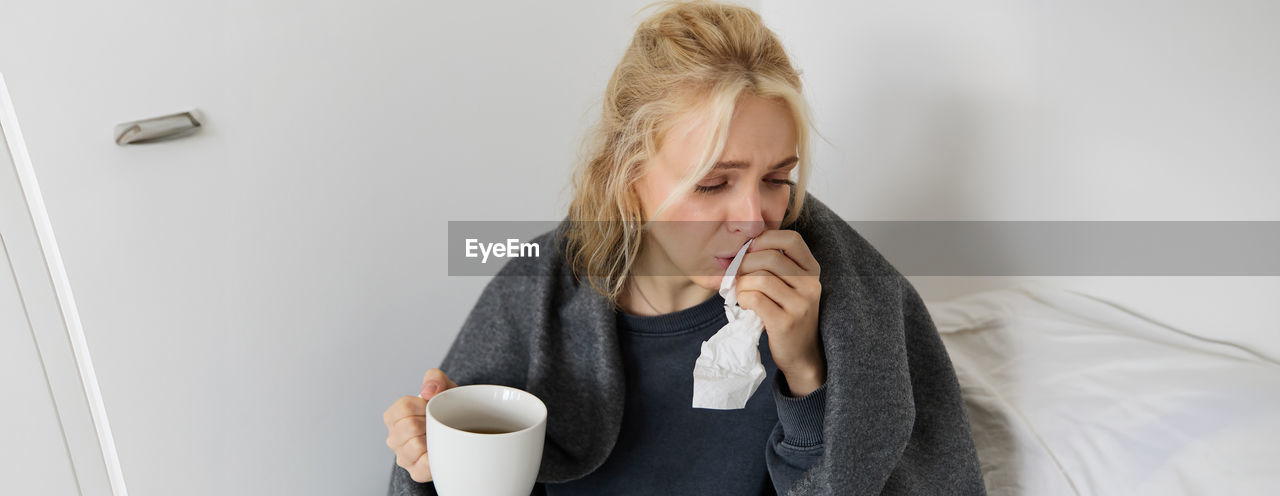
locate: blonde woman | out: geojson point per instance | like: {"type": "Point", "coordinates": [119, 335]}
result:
{"type": "Point", "coordinates": [703, 145]}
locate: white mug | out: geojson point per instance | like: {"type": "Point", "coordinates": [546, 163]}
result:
{"type": "Point", "coordinates": [485, 439]}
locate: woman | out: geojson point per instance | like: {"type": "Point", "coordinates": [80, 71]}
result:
{"type": "Point", "coordinates": [703, 127]}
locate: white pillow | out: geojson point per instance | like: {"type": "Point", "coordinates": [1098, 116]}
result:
{"type": "Point", "coordinates": [1069, 394]}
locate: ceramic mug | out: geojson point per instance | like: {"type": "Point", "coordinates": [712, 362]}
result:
{"type": "Point", "coordinates": [485, 439]}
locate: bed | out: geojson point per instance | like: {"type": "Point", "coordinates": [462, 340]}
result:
{"type": "Point", "coordinates": [1069, 394]}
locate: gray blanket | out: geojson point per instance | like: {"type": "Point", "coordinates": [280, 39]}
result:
{"type": "Point", "coordinates": [895, 422]}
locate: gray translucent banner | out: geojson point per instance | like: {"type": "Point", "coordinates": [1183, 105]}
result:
{"type": "Point", "coordinates": [955, 248]}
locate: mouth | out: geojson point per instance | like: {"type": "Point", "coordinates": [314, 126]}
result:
{"type": "Point", "coordinates": [726, 259]}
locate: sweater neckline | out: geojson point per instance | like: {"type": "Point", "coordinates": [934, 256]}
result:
{"type": "Point", "coordinates": [694, 317]}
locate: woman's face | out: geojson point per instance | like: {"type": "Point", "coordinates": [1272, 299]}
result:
{"type": "Point", "coordinates": [745, 194]}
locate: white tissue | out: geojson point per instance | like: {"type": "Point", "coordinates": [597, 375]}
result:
{"type": "Point", "coordinates": [729, 370]}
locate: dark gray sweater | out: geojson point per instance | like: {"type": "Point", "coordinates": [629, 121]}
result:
{"type": "Point", "coordinates": [667, 447]}
{"type": "Point", "coordinates": [893, 422]}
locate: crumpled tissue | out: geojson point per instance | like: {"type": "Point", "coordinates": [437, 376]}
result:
{"type": "Point", "coordinates": [729, 369]}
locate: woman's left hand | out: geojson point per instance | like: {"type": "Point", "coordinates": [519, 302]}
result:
{"type": "Point", "coordinates": [778, 280]}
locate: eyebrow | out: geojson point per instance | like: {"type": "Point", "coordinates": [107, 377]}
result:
{"type": "Point", "coordinates": [739, 164]}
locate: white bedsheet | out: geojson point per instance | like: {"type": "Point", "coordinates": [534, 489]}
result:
{"type": "Point", "coordinates": [1068, 394]}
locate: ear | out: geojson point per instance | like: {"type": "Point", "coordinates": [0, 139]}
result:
{"type": "Point", "coordinates": [635, 200]}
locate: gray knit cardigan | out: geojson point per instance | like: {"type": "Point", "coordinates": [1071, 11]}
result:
{"type": "Point", "coordinates": [895, 422]}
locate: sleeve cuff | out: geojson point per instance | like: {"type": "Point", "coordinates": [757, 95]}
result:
{"type": "Point", "coordinates": [801, 418]}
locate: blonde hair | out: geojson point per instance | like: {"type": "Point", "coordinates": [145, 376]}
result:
{"type": "Point", "coordinates": [688, 57]}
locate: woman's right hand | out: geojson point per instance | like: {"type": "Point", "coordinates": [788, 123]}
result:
{"type": "Point", "coordinates": [406, 421]}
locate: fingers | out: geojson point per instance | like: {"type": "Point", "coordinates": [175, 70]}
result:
{"type": "Point", "coordinates": [406, 406]}
{"type": "Point", "coordinates": [775, 263]}
{"type": "Point", "coordinates": [795, 267]}
{"type": "Point", "coordinates": [770, 289]}
{"type": "Point", "coordinates": [406, 430]}
{"type": "Point", "coordinates": [421, 471]}
{"type": "Point", "coordinates": [435, 381]}
{"type": "Point", "coordinates": [407, 426]}
{"type": "Point", "coordinates": [758, 272]}
{"type": "Point", "coordinates": [407, 435]}
{"type": "Point", "coordinates": [789, 244]}
{"type": "Point", "coordinates": [413, 458]}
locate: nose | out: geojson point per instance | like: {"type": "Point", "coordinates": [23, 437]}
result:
{"type": "Point", "coordinates": [746, 218]}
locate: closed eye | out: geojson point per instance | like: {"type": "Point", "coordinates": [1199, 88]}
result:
{"type": "Point", "coordinates": [777, 183]}
{"type": "Point", "coordinates": [709, 189]}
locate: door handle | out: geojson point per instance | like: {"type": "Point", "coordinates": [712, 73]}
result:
{"type": "Point", "coordinates": [165, 127]}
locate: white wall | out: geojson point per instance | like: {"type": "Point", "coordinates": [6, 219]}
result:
{"type": "Point", "coordinates": [1014, 110]}
{"type": "Point", "coordinates": [255, 295]}
{"type": "Point", "coordinates": [1008, 110]}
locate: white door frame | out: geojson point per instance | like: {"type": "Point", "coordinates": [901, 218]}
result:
{"type": "Point", "coordinates": [55, 322]}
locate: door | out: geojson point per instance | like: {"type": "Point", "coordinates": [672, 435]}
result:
{"type": "Point", "coordinates": [54, 438]}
